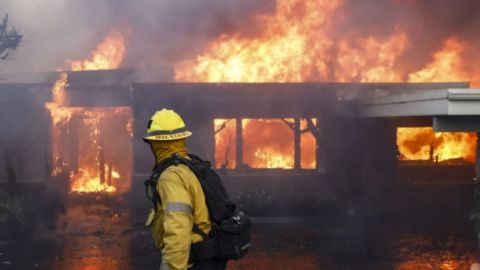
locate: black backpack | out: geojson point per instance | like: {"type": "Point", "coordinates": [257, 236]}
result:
{"type": "Point", "coordinates": [229, 238]}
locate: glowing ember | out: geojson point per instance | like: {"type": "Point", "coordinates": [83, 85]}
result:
{"type": "Point", "coordinates": [108, 55]}
{"type": "Point", "coordinates": [425, 144]}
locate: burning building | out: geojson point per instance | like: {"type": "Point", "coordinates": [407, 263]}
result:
{"type": "Point", "coordinates": [266, 139]}
{"type": "Point", "coordinates": [258, 105]}
{"type": "Point", "coordinates": [299, 116]}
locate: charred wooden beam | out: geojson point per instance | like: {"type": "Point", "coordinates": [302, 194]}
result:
{"type": "Point", "coordinates": [73, 143]}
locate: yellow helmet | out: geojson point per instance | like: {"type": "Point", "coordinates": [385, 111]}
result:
{"type": "Point", "coordinates": [166, 125]}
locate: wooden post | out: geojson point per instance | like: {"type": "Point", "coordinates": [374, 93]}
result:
{"type": "Point", "coordinates": [477, 163]}
{"type": "Point", "coordinates": [101, 163]}
{"type": "Point", "coordinates": [73, 143]}
{"type": "Point", "coordinates": [239, 138]}
{"type": "Point", "coordinates": [109, 174]}
{"type": "Point", "coordinates": [476, 201]}
{"type": "Point", "coordinates": [320, 160]}
{"type": "Point", "coordinates": [48, 153]}
{"type": "Point", "coordinates": [297, 140]}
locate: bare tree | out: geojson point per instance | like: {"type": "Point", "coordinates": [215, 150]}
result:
{"type": "Point", "coordinates": [9, 41]}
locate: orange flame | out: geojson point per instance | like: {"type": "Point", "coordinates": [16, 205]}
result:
{"type": "Point", "coordinates": [268, 143]}
{"type": "Point", "coordinates": [447, 66]}
{"type": "Point", "coordinates": [425, 144]}
{"type": "Point", "coordinates": [108, 54]}
{"type": "Point", "coordinates": [370, 60]}
{"type": "Point", "coordinates": [296, 46]}
{"type": "Point", "coordinates": [292, 48]}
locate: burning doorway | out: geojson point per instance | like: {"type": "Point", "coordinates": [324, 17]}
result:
{"type": "Point", "coordinates": [92, 145]}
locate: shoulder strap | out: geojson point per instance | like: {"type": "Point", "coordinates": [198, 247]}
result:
{"type": "Point", "coordinates": [151, 183]}
{"type": "Point", "coordinates": [199, 231]}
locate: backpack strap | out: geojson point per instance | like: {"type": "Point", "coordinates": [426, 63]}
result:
{"type": "Point", "coordinates": [199, 231]}
{"type": "Point", "coordinates": [151, 183]}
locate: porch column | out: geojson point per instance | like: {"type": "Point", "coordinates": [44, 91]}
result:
{"type": "Point", "coordinates": [297, 144]}
{"type": "Point", "coordinates": [239, 138]}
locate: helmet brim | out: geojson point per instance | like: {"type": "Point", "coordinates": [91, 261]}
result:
{"type": "Point", "coordinates": [167, 137]}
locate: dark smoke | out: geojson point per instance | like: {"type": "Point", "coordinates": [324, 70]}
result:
{"type": "Point", "coordinates": [428, 23]}
{"type": "Point", "coordinates": [158, 32]}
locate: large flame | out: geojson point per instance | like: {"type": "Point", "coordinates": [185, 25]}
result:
{"type": "Point", "coordinates": [291, 48]}
{"type": "Point", "coordinates": [298, 44]}
{"type": "Point", "coordinates": [369, 59]}
{"type": "Point", "coordinates": [448, 66]}
{"type": "Point", "coordinates": [108, 54]}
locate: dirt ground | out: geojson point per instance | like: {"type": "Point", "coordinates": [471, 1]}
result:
{"type": "Point", "coordinates": [97, 233]}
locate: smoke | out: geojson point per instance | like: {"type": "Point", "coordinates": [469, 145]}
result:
{"type": "Point", "coordinates": [164, 32]}
{"type": "Point", "coordinates": [157, 32]}
{"type": "Point", "coordinates": [428, 24]}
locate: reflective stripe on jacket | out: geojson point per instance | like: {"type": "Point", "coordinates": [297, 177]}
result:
{"type": "Point", "coordinates": [182, 205]}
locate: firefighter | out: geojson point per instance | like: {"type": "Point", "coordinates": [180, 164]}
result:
{"type": "Point", "coordinates": [182, 201]}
